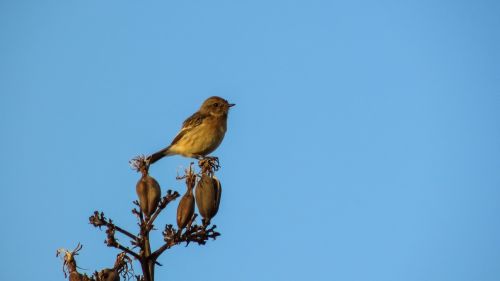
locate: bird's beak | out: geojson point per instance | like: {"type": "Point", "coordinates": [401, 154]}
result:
{"type": "Point", "coordinates": [231, 104]}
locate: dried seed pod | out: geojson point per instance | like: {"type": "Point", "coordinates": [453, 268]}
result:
{"type": "Point", "coordinates": [75, 276]}
{"type": "Point", "coordinates": [149, 193]}
{"type": "Point", "coordinates": [185, 210]}
{"type": "Point", "coordinates": [108, 274]}
{"type": "Point", "coordinates": [208, 193]}
{"type": "Point", "coordinates": [218, 190]}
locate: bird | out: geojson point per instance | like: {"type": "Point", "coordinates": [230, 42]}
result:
{"type": "Point", "coordinates": [201, 133]}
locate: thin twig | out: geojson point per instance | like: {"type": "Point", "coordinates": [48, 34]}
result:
{"type": "Point", "coordinates": [98, 220]}
{"type": "Point", "coordinates": [119, 229]}
{"type": "Point", "coordinates": [127, 250]}
{"type": "Point", "coordinates": [193, 233]}
{"type": "Point", "coordinates": [171, 196]}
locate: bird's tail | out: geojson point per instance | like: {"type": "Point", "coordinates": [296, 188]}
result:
{"type": "Point", "coordinates": [159, 155]}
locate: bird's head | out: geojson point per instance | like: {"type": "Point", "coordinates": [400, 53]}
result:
{"type": "Point", "coordinates": [216, 106]}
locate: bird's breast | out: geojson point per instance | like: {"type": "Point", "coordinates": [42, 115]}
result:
{"type": "Point", "coordinates": [204, 138]}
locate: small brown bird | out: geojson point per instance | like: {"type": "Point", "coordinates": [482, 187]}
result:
{"type": "Point", "coordinates": [201, 133]}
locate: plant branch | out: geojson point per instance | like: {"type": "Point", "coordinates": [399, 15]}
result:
{"type": "Point", "coordinates": [194, 233]}
{"type": "Point", "coordinates": [165, 200]}
{"type": "Point", "coordinates": [126, 250]}
{"type": "Point", "coordinates": [98, 220]}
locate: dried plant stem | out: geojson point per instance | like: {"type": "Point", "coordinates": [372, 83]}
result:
{"type": "Point", "coordinates": [190, 232]}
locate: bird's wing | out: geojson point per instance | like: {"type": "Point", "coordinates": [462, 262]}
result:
{"type": "Point", "coordinates": [193, 121]}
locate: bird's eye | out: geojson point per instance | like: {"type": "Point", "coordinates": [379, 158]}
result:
{"type": "Point", "coordinates": [216, 104]}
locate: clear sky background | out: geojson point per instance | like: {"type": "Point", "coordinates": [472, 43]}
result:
{"type": "Point", "coordinates": [365, 143]}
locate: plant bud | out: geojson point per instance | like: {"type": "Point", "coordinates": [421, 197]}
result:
{"type": "Point", "coordinates": [149, 192]}
{"type": "Point", "coordinates": [208, 192]}
{"type": "Point", "coordinates": [108, 275]}
{"type": "Point", "coordinates": [185, 210]}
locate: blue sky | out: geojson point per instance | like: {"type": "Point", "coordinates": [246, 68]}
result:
{"type": "Point", "coordinates": [364, 144]}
